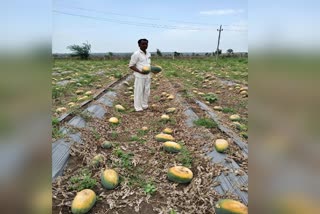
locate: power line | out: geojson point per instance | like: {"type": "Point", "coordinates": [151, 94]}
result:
{"type": "Point", "coordinates": [132, 23]}
{"type": "Point", "coordinates": [147, 18]}
{"type": "Point", "coordinates": [236, 30]}
{"type": "Point", "coordinates": [129, 23]}
{"type": "Point", "coordinates": [108, 12]}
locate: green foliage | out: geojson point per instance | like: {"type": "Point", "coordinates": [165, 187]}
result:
{"type": "Point", "coordinates": [230, 51]}
{"type": "Point", "coordinates": [172, 73]}
{"type": "Point", "coordinates": [159, 52]}
{"type": "Point", "coordinates": [137, 139]}
{"type": "Point", "coordinates": [96, 134]}
{"type": "Point", "coordinates": [134, 138]}
{"type": "Point", "coordinates": [118, 75]}
{"type": "Point", "coordinates": [184, 157]}
{"type": "Point", "coordinates": [219, 52]}
{"type": "Point", "coordinates": [125, 158]}
{"type": "Point", "coordinates": [172, 211]}
{"type": "Point", "coordinates": [149, 188]}
{"type": "Point", "coordinates": [114, 135]}
{"type": "Point", "coordinates": [82, 51]}
{"type": "Point", "coordinates": [56, 133]}
{"type": "Point", "coordinates": [228, 110]}
{"type": "Point", "coordinates": [176, 53]}
{"type": "Point", "coordinates": [244, 135]}
{"type": "Point", "coordinates": [206, 122]}
{"type": "Point", "coordinates": [82, 181]}
{"type": "Point", "coordinates": [142, 132]}
{"type": "Point", "coordinates": [210, 98]}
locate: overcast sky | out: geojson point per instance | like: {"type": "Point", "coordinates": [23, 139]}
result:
{"type": "Point", "coordinates": [183, 26]}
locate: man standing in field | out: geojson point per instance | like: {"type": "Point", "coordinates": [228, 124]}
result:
{"type": "Point", "coordinates": [142, 81]}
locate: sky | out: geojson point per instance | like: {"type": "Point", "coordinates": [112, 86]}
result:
{"type": "Point", "coordinates": [182, 26]}
{"type": "Point", "coordinates": [115, 26]}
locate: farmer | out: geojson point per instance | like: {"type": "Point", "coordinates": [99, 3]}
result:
{"type": "Point", "coordinates": [142, 81]}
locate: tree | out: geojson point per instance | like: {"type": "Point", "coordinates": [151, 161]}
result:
{"type": "Point", "coordinates": [219, 52]}
{"type": "Point", "coordinates": [176, 53]}
{"type": "Point", "coordinates": [82, 51]}
{"type": "Point", "coordinates": [159, 52]}
{"type": "Point", "coordinates": [230, 51]}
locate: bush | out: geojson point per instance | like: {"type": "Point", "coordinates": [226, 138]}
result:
{"type": "Point", "coordinates": [81, 51]}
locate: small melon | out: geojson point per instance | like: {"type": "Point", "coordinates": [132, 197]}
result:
{"type": "Point", "coordinates": [83, 201]}
{"type": "Point", "coordinates": [221, 145]}
{"type": "Point", "coordinates": [218, 108]}
{"type": "Point", "coordinates": [109, 179]}
{"type": "Point", "coordinates": [165, 117]}
{"type": "Point", "coordinates": [83, 98]}
{"type": "Point", "coordinates": [119, 107]}
{"type": "Point", "coordinates": [164, 94]}
{"type": "Point", "coordinates": [97, 160]}
{"type": "Point", "coordinates": [171, 146]}
{"type": "Point", "coordinates": [114, 120]}
{"type": "Point", "coordinates": [170, 97]}
{"type": "Point", "coordinates": [126, 83]}
{"type": "Point", "coordinates": [180, 174]}
{"type": "Point", "coordinates": [235, 117]}
{"type": "Point", "coordinates": [61, 109]}
{"type": "Point", "coordinates": [243, 89]}
{"type": "Point", "coordinates": [88, 93]}
{"type": "Point", "coordinates": [144, 128]}
{"type": "Point", "coordinates": [106, 144]}
{"type": "Point", "coordinates": [79, 91]}
{"type": "Point", "coordinates": [71, 104]}
{"type": "Point", "coordinates": [170, 110]}
{"type": "Point", "coordinates": [167, 131]}
{"type": "Point", "coordinates": [229, 206]}
{"type": "Point", "coordinates": [164, 137]}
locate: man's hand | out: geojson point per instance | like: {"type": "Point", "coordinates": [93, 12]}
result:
{"type": "Point", "coordinates": [134, 68]}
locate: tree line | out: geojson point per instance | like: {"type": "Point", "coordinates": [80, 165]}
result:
{"type": "Point", "coordinates": [83, 52]}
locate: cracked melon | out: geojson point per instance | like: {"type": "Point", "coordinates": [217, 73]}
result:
{"type": "Point", "coordinates": [97, 160]}
{"type": "Point", "coordinates": [83, 202]}
{"type": "Point", "coordinates": [109, 179]}
{"type": "Point", "coordinates": [229, 206]}
{"type": "Point", "coordinates": [180, 174]}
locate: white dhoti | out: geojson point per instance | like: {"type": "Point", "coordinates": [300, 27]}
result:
{"type": "Point", "coordinates": [141, 93]}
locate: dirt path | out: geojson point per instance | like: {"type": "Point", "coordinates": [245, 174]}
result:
{"type": "Point", "coordinates": [140, 160]}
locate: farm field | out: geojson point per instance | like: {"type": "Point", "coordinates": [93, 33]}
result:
{"type": "Point", "coordinates": [136, 154]}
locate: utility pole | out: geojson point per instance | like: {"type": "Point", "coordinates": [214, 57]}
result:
{"type": "Point", "coordinates": [217, 52]}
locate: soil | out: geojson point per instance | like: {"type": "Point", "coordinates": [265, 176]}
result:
{"type": "Point", "coordinates": [147, 163]}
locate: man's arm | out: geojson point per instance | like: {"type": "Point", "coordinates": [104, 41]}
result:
{"type": "Point", "coordinates": [132, 63]}
{"type": "Point", "coordinates": [135, 69]}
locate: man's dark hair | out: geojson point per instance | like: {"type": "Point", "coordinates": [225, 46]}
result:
{"type": "Point", "coordinates": [140, 40]}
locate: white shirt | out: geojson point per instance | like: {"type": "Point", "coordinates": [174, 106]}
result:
{"type": "Point", "coordinates": [140, 59]}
